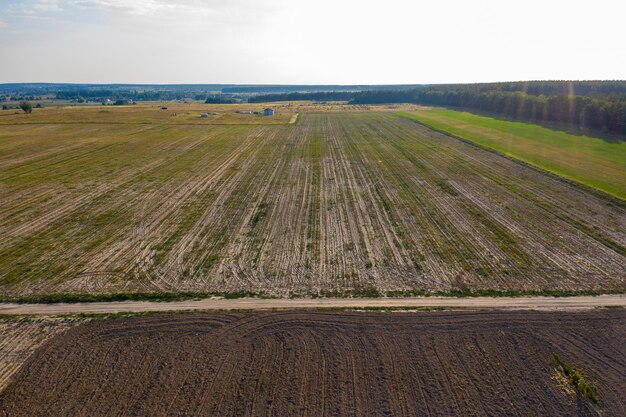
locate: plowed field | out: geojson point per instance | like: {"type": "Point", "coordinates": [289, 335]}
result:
{"type": "Point", "coordinates": [20, 338]}
{"type": "Point", "coordinates": [335, 202]}
{"type": "Point", "coordinates": [322, 364]}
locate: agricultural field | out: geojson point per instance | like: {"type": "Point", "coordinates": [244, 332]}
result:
{"type": "Point", "coordinates": [174, 113]}
{"type": "Point", "coordinates": [329, 364]}
{"type": "Point", "coordinates": [595, 162]}
{"type": "Point", "coordinates": [335, 203]}
{"type": "Point", "coordinates": [21, 336]}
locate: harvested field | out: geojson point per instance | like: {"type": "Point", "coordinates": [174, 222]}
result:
{"type": "Point", "coordinates": [335, 202]}
{"type": "Point", "coordinates": [175, 114]}
{"type": "Point", "coordinates": [299, 363]}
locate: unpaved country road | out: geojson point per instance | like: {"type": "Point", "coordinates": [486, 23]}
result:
{"type": "Point", "coordinates": [502, 303]}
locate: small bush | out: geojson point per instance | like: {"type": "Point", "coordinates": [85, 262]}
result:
{"type": "Point", "coordinates": [575, 379]}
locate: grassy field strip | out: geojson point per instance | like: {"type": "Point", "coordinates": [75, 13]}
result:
{"type": "Point", "coordinates": [588, 160]}
{"type": "Point", "coordinates": [336, 202]}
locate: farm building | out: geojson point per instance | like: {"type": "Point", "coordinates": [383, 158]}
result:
{"type": "Point", "coordinates": [204, 115]}
{"type": "Point", "coordinates": [268, 112]}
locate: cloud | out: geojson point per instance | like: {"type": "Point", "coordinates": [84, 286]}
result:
{"type": "Point", "coordinates": [136, 7]}
{"type": "Point", "coordinates": [184, 7]}
{"type": "Point", "coordinates": [44, 6]}
{"type": "Point", "coordinates": [36, 8]}
{"type": "Point", "coordinates": [3, 24]}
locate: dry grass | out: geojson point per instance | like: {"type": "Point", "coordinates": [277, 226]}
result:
{"type": "Point", "coordinates": [176, 113]}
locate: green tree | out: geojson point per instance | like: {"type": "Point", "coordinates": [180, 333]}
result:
{"type": "Point", "coordinates": [26, 106]}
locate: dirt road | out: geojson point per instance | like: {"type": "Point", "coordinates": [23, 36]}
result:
{"type": "Point", "coordinates": [503, 303]}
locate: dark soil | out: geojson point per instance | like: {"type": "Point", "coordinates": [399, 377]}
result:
{"type": "Point", "coordinates": [325, 364]}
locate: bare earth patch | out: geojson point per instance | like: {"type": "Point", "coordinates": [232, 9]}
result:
{"type": "Point", "coordinates": [314, 364]}
{"type": "Point", "coordinates": [20, 337]}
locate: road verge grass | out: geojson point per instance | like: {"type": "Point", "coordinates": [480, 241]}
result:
{"type": "Point", "coordinates": [232, 295]}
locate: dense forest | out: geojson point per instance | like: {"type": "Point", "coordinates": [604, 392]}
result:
{"type": "Point", "coordinates": [597, 105]}
{"type": "Point", "coordinates": [283, 88]}
{"type": "Point", "coordinates": [316, 96]}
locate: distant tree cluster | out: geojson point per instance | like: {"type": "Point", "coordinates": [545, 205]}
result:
{"type": "Point", "coordinates": [318, 96]}
{"type": "Point", "coordinates": [219, 99]}
{"type": "Point", "coordinates": [284, 89]}
{"type": "Point", "coordinates": [113, 94]}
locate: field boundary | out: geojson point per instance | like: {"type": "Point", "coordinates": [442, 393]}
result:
{"type": "Point", "coordinates": [613, 199]}
{"type": "Point", "coordinates": [372, 293]}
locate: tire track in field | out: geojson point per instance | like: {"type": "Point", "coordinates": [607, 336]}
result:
{"type": "Point", "coordinates": [195, 187]}
{"type": "Point", "coordinates": [323, 363]}
{"type": "Point", "coordinates": [120, 247]}
{"type": "Point", "coordinates": [336, 202]}
{"type": "Point", "coordinates": [561, 254]}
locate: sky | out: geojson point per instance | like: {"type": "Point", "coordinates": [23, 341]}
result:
{"type": "Point", "coordinates": [310, 42]}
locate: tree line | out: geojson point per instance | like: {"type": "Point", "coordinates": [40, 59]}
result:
{"type": "Point", "coordinates": [112, 94]}
{"type": "Point", "coordinates": [597, 105]}
{"type": "Point", "coordinates": [538, 88]}
{"type": "Point", "coordinates": [602, 113]}
{"type": "Point", "coordinates": [316, 96]}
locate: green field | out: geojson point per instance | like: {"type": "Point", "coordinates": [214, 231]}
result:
{"type": "Point", "coordinates": [591, 161]}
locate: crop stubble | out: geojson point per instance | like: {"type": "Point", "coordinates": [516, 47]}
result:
{"type": "Point", "coordinates": [338, 201]}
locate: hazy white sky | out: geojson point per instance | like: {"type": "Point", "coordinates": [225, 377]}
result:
{"type": "Point", "coordinates": [310, 41]}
